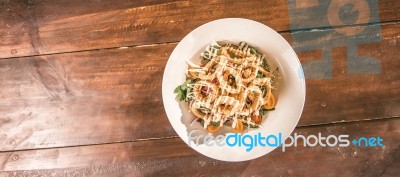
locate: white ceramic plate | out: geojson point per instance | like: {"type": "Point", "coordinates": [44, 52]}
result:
{"type": "Point", "coordinates": [291, 86]}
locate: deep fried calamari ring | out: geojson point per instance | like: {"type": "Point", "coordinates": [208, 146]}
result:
{"type": "Point", "coordinates": [223, 79]}
{"type": "Point", "coordinates": [211, 88]}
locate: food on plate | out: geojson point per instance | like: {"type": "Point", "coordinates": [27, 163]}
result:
{"type": "Point", "coordinates": [232, 87]}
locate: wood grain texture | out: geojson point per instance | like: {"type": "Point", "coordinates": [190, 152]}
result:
{"type": "Point", "coordinates": [83, 98]}
{"type": "Point", "coordinates": [115, 95]}
{"type": "Point", "coordinates": [172, 157]}
{"type": "Point", "coordinates": [347, 96]}
{"type": "Point", "coordinates": [68, 109]}
{"type": "Point", "coordinates": [43, 27]}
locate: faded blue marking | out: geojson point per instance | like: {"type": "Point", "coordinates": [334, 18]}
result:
{"type": "Point", "coordinates": [321, 68]}
{"type": "Point", "coordinates": [302, 19]}
{"type": "Point", "coordinates": [361, 64]}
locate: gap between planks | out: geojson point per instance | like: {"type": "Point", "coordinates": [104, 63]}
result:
{"type": "Point", "coordinates": [176, 42]}
{"type": "Point", "coordinates": [90, 50]}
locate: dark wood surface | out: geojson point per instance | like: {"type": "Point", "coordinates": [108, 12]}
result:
{"type": "Point", "coordinates": [172, 157]}
{"type": "Point", "coordinates": [80, 92]}
{"type": "Point", "coordinates": [43, 27]}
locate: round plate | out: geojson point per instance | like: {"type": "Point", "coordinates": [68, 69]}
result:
{"type": "Point", "coordinates": [290, 93]}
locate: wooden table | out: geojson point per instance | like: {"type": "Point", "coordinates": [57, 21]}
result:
{"type": "Point", "coordinates": [80, 88]}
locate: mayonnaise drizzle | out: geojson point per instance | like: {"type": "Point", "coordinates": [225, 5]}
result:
{"type": "Point", "coordinates": [222, 101]}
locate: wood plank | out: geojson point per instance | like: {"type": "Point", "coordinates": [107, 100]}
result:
{"type": "Point", "coordinates": [112, 95]}
{"type": "Point", "coordinates": [355, 96]}
{"type": "Point", "coordinates": [115, 95]}
{"type": "Point", "coordinates": [44, 27]}
{"type": "Point", "coordinates": [172, 157]}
